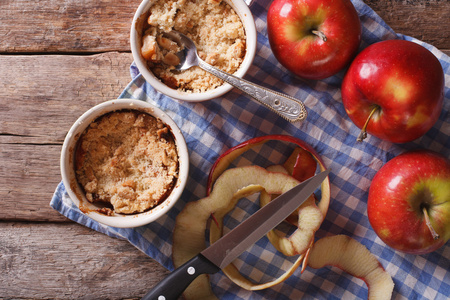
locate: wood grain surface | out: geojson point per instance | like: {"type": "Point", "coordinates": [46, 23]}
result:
{"type": "Point", "coordinates": [425, 20]}
{"type": "Point", "coordinates": [44, 261]}
{"type": "Point", "coordinates": [59, 58]}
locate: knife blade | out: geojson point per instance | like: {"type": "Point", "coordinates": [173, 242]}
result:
{"type": "Point", "coordinates": [235, 242]}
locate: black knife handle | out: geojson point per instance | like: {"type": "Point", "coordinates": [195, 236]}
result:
{"type": "Point", "coordinates": [171, 287]}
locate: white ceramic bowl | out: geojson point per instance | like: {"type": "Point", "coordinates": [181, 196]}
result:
{"type": "Point", "coordinates": [246, 17]}
{"type": "Point", "coordinates": [76, 192]}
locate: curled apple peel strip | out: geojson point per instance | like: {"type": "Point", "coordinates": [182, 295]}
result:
{"type": "Point", "coordinates": [191, 222]}
{"type": "Point", "coordinates": [303, 238]}
{"type": "Point", "coordinates": [231, 154]}
{"type": "Point", "coordinates": [188, 238]}
{"type": "Point", "coordinates": [307, 213]}
{"type": "Point", "coordinates": [309, 221]}
{"type": "Point", "coordinates": [231, 271]}
{"type": "Point", "coordinates": [354, 258]}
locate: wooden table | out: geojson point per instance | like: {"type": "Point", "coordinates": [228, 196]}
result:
{"type": "Point", "coordinates": [58, 59]}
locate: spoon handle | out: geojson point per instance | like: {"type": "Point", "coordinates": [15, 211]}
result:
{"type": "Point", "coordinates": [286, 106]}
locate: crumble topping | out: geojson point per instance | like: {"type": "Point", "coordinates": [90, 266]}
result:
{"type": "Point", "coordinates": [214, 27]}
{"type": "Point", "coordinates": [128, 159]}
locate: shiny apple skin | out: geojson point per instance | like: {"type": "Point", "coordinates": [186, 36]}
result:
{"type": "Point", "coordinates": [401, 77]}
{"type": "Point", "coordinates": [396, 196]}
{"type": "Point", "coordinates": [289, 23]}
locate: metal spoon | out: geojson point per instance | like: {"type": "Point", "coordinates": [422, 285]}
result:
{"type": "Point", "coordinates": [286, 106]}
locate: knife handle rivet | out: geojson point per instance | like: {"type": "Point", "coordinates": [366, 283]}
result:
{"type": "Point", "coordinates": [191, 270]}
{"type": "Point", "coordinates": [161, 297]}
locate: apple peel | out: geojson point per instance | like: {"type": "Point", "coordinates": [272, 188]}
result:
{"type": "Point", "coordinates": [297, 243]}
{"type": "Point", "coordinates": [307, 213]}
{"type": "Point", "coordinates": [231, 154]}
{"type": "Point", "coordinates": [231, 271]}
{"type": "Point", "coordinates": [189, 231]}
{"type": "Point", "coordinates": [354, 258]}
{"type": "Point", "coordinates": [301, 164]}
{"type": "Point", "coordinates": [188, 237]}
{"type": "Point", "coordinates": [265, 198]}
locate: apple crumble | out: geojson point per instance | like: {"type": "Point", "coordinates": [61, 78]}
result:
{"type": "Point", "coordinates": [128, 159]}
{"type": "Point", "coordinates": [214, 27]}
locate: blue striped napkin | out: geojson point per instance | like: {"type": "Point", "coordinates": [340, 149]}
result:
{"type": "Point", "coordinates": [212, 127]}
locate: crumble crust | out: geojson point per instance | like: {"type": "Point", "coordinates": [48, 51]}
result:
{"type": "Point", "coordinates": [214, 27]}
{"type": "Point", "coordinates": [128, 159]}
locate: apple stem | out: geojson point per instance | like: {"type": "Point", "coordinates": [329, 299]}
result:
{"type": "Point", "coordinates": [427, 220]}
{"type": "Point", "coordinates": [320, 34]}
{"type": "Point", "coordinates": [363, 134]}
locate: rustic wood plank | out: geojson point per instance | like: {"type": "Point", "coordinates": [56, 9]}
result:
{"type": "Point", "coordinates": [29, 175]}
{"type": "Point", "coordinates": [97, 26]}
{"type": "Point", "coordinates": [52, 91]}
{"type": "Point", "coordinates": [69, 261]}
{"type": "Point", "coordinates": [66, 26]}
{"type": "Point", "coordinates": [425, 20]}
{"type": "Point", "coordinates": [38, 105]}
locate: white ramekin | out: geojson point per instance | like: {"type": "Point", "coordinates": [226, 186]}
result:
{"type": "Point", "coordinates": [246, 17]}
{"type": "Point", "coordinates": [77, 194]}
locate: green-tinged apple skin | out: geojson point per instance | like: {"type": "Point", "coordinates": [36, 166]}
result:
{"type": "Point", "coordinates": [404, 81]}
{"type": "Point", "coordinates": [290, 24]}
{"type": "Point", "coordinates": [398, 195]}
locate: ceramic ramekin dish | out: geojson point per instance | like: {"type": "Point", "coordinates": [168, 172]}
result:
{"type": "Point", "coordinates": [77, 194]}
{"type": "Point", "coordinates": [243, 11]}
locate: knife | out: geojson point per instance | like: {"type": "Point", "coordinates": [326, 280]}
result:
{"type": "Point", "coordinates": [234, 243]}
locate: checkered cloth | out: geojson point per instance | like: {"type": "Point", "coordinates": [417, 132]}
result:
{"type": "Point", "coordinates": [212, 127]}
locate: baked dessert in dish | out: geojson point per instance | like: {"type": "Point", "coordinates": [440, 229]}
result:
{"type": "Point", "coordinates": [214, 27]}
{"type": "Point", "coordinates": [127, 159]}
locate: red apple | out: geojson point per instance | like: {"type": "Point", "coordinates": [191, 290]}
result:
{"type": "Point", "coordinates": [313, 39]}
{"type": "Point", "coordinates": [394, 90]}
{"type": "Point", "coordinates": [409, 202]}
